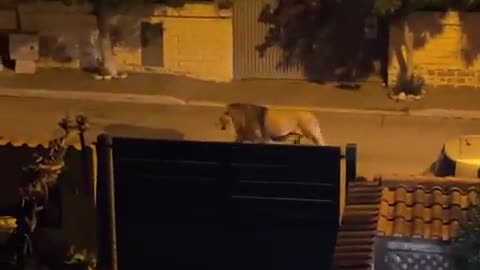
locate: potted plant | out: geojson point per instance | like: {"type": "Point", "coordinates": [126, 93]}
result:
{"type": "Point", "coordinates": [408, 87]}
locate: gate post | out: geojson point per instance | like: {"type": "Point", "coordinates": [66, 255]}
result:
{"type": "Point", "coordinates": [107, 258]}
{"type": "Point", "coordinates": [351, 162]}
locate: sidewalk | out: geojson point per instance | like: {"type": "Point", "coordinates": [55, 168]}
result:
{"type": "Point", "coordinates": [145, 88]}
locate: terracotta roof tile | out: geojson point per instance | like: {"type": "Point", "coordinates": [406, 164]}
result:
{"type": "Point", "coordinates": [423, 208]}
{"type": "Point", "coordinates": [354, 248]}
{"type": "Point", "coordinates": [33, 143]}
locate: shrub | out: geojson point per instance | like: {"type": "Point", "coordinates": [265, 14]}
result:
{"type": "Point", "coordinates": [465, 247]}
{"type": "Point", "coordinates": [410, 85]}
{"type": "Point", "coordinates": [224, 4]}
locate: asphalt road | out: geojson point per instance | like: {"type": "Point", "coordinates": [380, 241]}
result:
{"type": "Point", "coordinates": [386, 144]}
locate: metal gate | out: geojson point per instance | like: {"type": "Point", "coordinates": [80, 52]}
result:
{"type": "Point", "coordinates": [204, 205]}
{"type": "Point", "coordinates": [248, 32]}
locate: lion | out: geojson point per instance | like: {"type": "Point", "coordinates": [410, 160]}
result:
{"type": "Point", "coordinates": [260, 124]}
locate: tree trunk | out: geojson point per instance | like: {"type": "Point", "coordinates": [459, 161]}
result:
{"type": "Point", "coordinates": [408, 37]}
{"type": "Point", "coordinates": [108, 63]}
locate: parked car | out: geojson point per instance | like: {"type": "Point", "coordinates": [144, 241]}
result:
{"type": "Point", "coordinates": [460, 157]}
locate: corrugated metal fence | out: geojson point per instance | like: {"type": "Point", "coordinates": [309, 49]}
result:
{"type": "Point", "coordinates": [248, 32]}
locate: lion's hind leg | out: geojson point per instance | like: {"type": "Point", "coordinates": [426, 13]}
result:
{"type": "Point", "coordinates": [298, 139]}
{"type": "Point", "coordinates": [314, 133]}
{"type": "Point", "coordinates": [293, 137]}
{"type": "Point", "coordinates": [318, 139]}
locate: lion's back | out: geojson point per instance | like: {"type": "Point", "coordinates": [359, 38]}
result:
{"type": "Point", "coordinates": [280, 122]}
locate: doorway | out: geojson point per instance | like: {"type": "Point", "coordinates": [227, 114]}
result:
{"type": "Point", "coordinates": [152, 44]}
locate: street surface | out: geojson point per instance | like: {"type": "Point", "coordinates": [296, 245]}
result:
{"type": "Point", "coordinates": [386, 144]}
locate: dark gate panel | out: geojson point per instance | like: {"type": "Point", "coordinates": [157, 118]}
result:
{"type": "Point", "coordinates": [152, 44]}
{"type": "Point", "coordinates": [248, 32]}
{"type": "Point", "coordinates": [198, 205]}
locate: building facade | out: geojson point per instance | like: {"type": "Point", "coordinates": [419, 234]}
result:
{"type": "Point", "coordinates": [202, 41]}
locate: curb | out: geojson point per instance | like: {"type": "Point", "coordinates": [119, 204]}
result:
{"type": "Point", "coordinates": [446, 113]}
{"type": "Point", "coordinates": [171, 100]}
{"type": "Point", "coordinates": [440, 113]}
{"type": "Point", "coordinates": [92, 96]}
{"type": "Point", "coordinates": [212, 104]}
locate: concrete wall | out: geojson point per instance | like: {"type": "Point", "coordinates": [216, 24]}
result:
{"type": "Point", "coordinates": [198, 38]}
{"type": "Point", "coordinates": [446, 45]}
{"type": "Point", "coordinates": [65, 33]}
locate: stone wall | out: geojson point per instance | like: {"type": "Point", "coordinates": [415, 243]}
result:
{"type": "Point", "coordinates": [446, 48]}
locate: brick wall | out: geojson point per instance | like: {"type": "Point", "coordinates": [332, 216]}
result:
{"type": "Point", "coordinates": [445, 53]}
{"type": "Point", "coordinates": [198, 42]}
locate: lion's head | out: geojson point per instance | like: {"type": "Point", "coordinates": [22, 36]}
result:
{"type": "Point", "coordinates": [243, 119]}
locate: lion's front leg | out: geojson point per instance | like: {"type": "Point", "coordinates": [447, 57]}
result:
{"type": "Point", "coordinates": [265, 136]}
{"type": "Point", "coordinates": [239, 133]}
{"type": "Point", "coordinates": [238, 139]}
{"type": "Point", "coordinates": [264, 140]}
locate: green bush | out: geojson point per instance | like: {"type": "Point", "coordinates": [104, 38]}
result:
{"type": "Point", "coordinates": [410, 85]}
{"type": "Point", "coordinates": [465, 247]}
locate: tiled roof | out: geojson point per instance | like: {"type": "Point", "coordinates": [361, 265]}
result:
{"type": "Point", "coordinates": [427, 208]}
{"type": "Point", "coordinates": [354, 248]}
{"type": "Point", "coordinates": [32, 143]}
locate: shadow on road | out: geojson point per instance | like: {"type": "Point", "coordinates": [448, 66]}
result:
{"type": "Point", "coordinates": [125, 130]}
